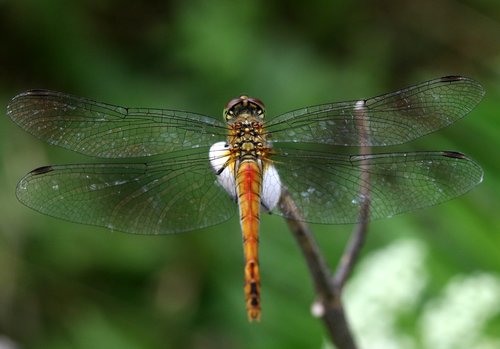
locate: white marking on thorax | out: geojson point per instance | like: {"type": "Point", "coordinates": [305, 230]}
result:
{"type": "Point", "coordinates": [271, 187]}
{"type": "Point", "coordinates": [271, 184]}
{"type": "Point", "coordinates": [360, 105]}
{"type": "Point", "coordinates": [219, 154]}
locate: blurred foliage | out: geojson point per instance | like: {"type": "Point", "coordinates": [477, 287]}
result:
{"type": "Point", "coordinates": [66, 285]}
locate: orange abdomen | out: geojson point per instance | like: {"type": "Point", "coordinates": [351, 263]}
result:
{"type": "Point", "coordinates": [249, 184]}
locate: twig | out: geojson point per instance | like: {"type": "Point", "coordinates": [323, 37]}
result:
{"type": "Point", "coordinates": [352, 250]}
{"type": "Point", "coordinates": [329, 289]}
{"type": "Point", "coordinates": [328, 296]}
{"type": "Point", "coordinates": [320, 273]}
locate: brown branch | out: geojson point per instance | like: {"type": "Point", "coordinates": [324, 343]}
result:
{"type": "Point", "coordinates": [320, 273]}
{"type": "Point", "coordinates": [353, 248]}
{"type": "Point", "coordinates": [329, 288]}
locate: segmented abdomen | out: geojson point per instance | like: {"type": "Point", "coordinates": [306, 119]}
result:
{"type": "Point", "coordinates": [249, 186]}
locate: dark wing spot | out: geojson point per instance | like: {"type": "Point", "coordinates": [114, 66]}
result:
{"type": "Point", "coordinates": [454, 154]}
{"type": "Point", "coordinates": [42, 170]}
{"type": "Point", "coordinates": [451, 78]}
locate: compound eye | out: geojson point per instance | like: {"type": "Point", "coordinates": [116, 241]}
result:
{"type": "Point", "coordinates": [259, 106]}
{"type": "Point", "coordinates": [232, 103]}
{"type": "Point", "coordinates": [258, 103]}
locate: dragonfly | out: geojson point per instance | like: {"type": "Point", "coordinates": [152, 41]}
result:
{"type": "Point", "coordinates": [175, 171]}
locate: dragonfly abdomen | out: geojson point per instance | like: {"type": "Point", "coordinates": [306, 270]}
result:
{"type": "Point", "coordinates": [249, 187]}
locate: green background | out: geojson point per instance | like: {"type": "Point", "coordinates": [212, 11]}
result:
{"type": "Point", "coordinates": [64, 285]}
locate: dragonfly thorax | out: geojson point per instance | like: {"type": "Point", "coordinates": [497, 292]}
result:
{"type": "Point", "coordinates": [247, 137]}
{"type": "Point", "coordinates": [244, 117]}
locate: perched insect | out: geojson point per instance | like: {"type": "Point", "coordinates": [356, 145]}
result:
{"type": "Point", "coordinates": [186, 171]}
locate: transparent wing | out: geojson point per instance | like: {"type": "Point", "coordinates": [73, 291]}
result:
{"type": "Point", "coordinates": [110, 131]}
{"type": "Point", "coordinates": [328, 188]}
{"type": "Point", "coordinates": [392, 118]}
{"type": "Point", "coordinates": [165, 196]}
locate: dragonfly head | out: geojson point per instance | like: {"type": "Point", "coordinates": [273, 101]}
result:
{"type": "Point", "coordinates": [244, 106]}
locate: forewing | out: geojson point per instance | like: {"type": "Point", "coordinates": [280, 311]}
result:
{"type": "Point", "coordinates": [392, 118]}
{"type": "Point", "coordinates": [109, 131]}
{"type": "Point", "coordinates": [165, 196]}
{"type": "Point", "coordinates": [331, 188]}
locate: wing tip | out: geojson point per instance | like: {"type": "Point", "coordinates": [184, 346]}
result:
{"type": "Point", "coordinates": [461, 156]}
{"type": "Point", "coordinates": [33, 92]}
{"type": "Point", "coordinates": [22, 185]}
{"type": "Point", "coordinates": [470, 81]}
{"type": "Point", "coordinates": [13, 107]}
